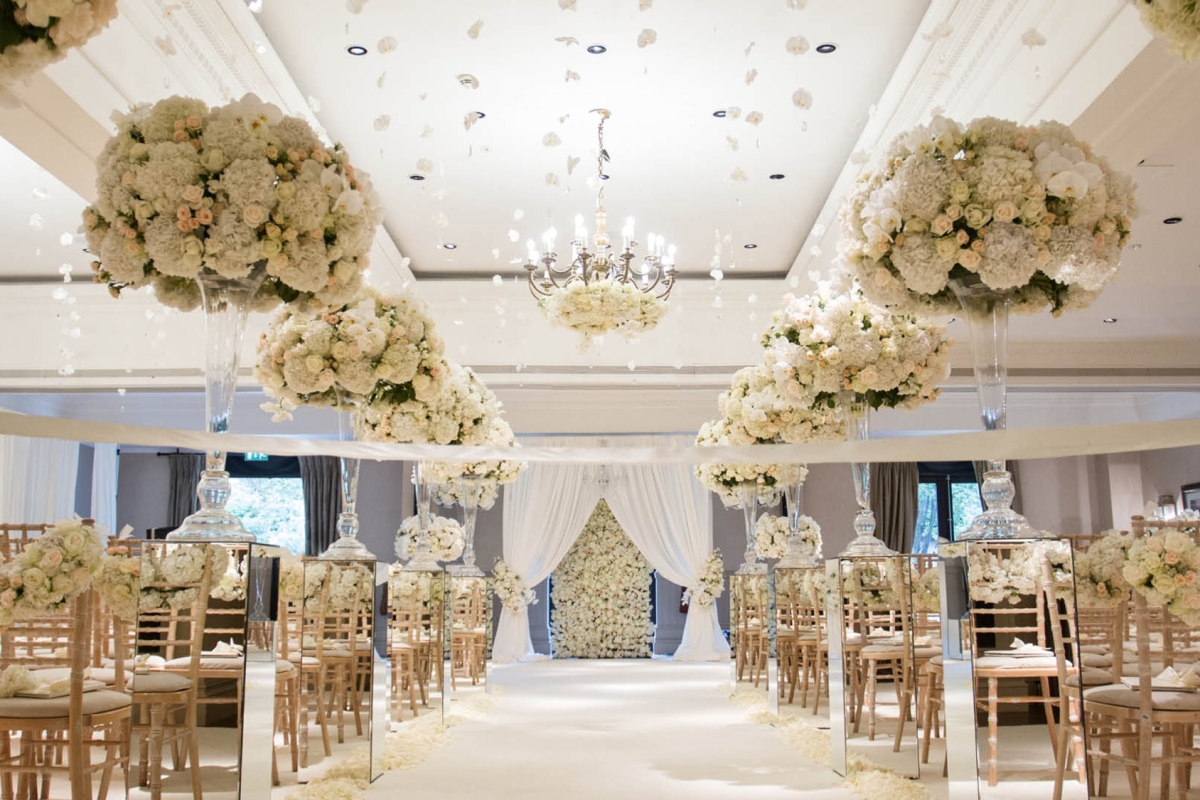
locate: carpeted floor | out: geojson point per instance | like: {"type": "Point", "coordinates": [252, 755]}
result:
{"type": "Point", "coordinates": [630, 729]}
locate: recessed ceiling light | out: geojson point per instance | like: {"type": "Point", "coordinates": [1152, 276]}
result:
{"type": "Point", "coordinates": [479, 115]}
{"type": "Point", "coordinates": [750, 246]}
{"type": "Point", "coordinates": [603, 177]}
{"type": "Point", "coordinates": [826, 48]}
{"type": "Point", "coordinates": [416, 177]}
{"type": "Point", "coordinates": [356, 50]}
{"type": "Point", "coordinates": [719, 113]}
{"type": "Point", "coordinates": [1172, 220]}
{"type": "Point", "coordinates": [778, 176]}
{"type": "Point", "coordinates": [1110, 320]}
{"type": "Point", "coordinates": [1135, 246]}
{"type": "Point", "coordinates": [449, 246]}
{"type": "Point", "coordinates": [597, 49]}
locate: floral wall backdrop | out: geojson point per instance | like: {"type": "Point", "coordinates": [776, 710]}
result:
{"type": "Point", "coordinates": [601, 595]}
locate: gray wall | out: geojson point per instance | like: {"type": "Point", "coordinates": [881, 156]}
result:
{"type": "Point", "coordinates": [1164, 471]}
{"type": "Point", "coordinates": [143, 483]}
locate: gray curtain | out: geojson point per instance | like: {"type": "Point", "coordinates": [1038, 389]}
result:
{"type": "Point", "coordinates": [322, 501]}
{"type": "Point", "coordinates": [185, 474]}
{"type": "Point", "coordinates": [1014, 468]}
{"type": "Point", "coordinates": [894, 501]}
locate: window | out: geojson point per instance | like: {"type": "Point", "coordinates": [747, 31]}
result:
{"type": "Point", "coordinates": [268, 496]}
{"type": "Point", "coordinates": [947, 501]}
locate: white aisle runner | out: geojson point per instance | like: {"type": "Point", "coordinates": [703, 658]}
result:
{"type": "Point", "coordinates": [606, 729]}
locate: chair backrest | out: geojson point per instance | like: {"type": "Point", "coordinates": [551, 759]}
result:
{"type": "Point", "coordinates": [176, 630]}
{"type": "Point", "coordinates": [14, 537]}
{"type": "Point", "coordinates": [1104, 626]}
{"type": "Point", "coordinates": [877, 596]}
{"type": "Point", "coordinates": [1003, 620]}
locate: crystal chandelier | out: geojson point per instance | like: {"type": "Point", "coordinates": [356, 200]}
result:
{"type": "Point", "coordinates": [598, 261]}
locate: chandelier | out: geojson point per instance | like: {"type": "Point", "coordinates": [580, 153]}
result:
{"type": "Point", "coordinates": [596, 260]}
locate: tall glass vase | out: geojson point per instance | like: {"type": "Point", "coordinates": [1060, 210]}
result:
{"type": "Point", "coordinates": [226, 302]}
{"type": "Point", "coordinates": [421, 555]}
{"type": "Point", "coordinates": [799, 554]}
{"type": "Point", "coordinates": [748, 500]}
{"type": "Point", "coordinates": [858, 429]}
{"type": "Point", "coordinates": [472, 486]}
{"type": "Point", "coordinates": [347, 545]}
{"type": "Point", "coordinates": [987, 313]}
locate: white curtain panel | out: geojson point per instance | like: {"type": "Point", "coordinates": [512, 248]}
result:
{"type": "Point", "coordinates": [544, 512]}
{"type": "Point", "coordinates": [37, 479]}
{"type": "Point", "coordinates": [667, 513]}
{"type": "Point", "coordinates": [104, 487]}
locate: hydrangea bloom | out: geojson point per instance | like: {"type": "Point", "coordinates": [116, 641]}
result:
{"type": "Point", "coordinates": [50, 570]}
{"type": "Point", "coordinates": [43, 31]}
{"type": "Point", "coordinates": [724, 479]}
{"type": "Point", "coordinates": [599, 307]}
{"type": "Point", "coordinates": [1178, 21]}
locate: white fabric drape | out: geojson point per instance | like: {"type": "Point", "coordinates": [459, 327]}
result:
{"type": "Point", "coordinates": [544, 512]}
{"type": "Point", "coordinates": [104, 487]}
{"type": "Point", "coordinates": [37, 479]}
{"type": "Point", "coordinates": [667, 513]}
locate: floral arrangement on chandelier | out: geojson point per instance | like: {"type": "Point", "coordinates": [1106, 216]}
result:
{"type": "Point", "coordinates": [724, 479]}
{"type": "Point", "coordinates": [835, 340]}
{"type": "Point", "coordinates": [491, 475]}
{"type": "Point", "coordinates": [41, 32]}
{"type": "Point", "coordinates": [601, 594]}
{"type": "Point", "coordinates": [756, 411]}
{"type": "Point", "coordinates": [771, 535]}
{"type": "Point", "coordinates": [1163, 567]}
{"type": "Point", "coordinates": [338, 356]}
{"type": "Point", "coordinates": [183, 189]}
{"type": "Point", "coordinates": [51, 570]}
{"type": "Point", "coordinates": [1099, 570]}
{"type": "Point", "coordinates": [169, 580]}
{"type": "Point", "coordinates": [119, 581]}
{"type": "Point", "coordinates": [445, 537]}
{"type": "Point", "coordinates": [711, 583]}
{"type": "Point", "coordinates": [454, 408]}
{"type": "Point", "coordinates": [1026, 209]}
{"type": "Point", "coordinates": [1177, 21]}
{"type": "Point", "coordinates": [605, 306]}
{"type": "Point", "coordinates": [510, 587]}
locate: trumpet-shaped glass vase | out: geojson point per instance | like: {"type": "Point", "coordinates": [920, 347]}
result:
{"type": "Point", "coordinates": [799, 554]}
{"type": "Point", "coordinates": [748, 500]}
{"type": "Point", "coordinates": [347, 545]}
{"type": "Point", "coordinates": [858, 429]}
{"type": "Point", "coordinates": [421, 558]}
{"type": "Point", "coordinates": [472, 487]}
{"type": "Point", "coordinates": [226, 302]}
{"type": "Point", "coordinates": [987, 313]}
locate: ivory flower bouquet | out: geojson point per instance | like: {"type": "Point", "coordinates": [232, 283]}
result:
{"type": "Point", "coordinates": [51, 570]}
{"type": "Point", "coordinates": [600, 307]}
{"type": "Point", "coordinates": [445, 537]}
{"type": "Point", "coordinates": [40, 32]}
{"type": "Point", "coordinates": [711, 584]}
{"type": "Point", "coordinates": [510, 587]}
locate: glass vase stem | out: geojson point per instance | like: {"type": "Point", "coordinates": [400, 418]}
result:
{"type": "Point", "coordinates": [347, 544]}
{"type": "Point", "coordinates": [422, 559]}
{"type": "Point", "coordinates": [857, 413]}
{"type": "Point", "coordinates": [748, 499]}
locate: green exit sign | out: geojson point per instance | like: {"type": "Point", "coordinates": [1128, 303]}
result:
{"type": "Point", "coordinates": [255, 456]}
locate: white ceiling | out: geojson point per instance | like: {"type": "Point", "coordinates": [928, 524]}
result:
{"type": "Point", "coordinates": [671, 161]}
{"type": "Point", "coordinates": [39, 209]}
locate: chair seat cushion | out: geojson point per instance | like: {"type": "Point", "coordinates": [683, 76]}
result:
{"type": "Point", "coordinates": [926, 652]}
{"type": "Point", "coordinates": [106, 676]}
{"type": "Point", "coordinates": [1095, 649]}
{"type": "Point", "coordinates": [206, 663]}
{"type": "Point", "coordinates": [1129, 698]}
{"type": "Point", "coordinates": [1091, 677]}
{"type": "Point", "coordinates": [283, 667]}
{"type": "Point", "coordinates": [152, 662]}
{"type": "Point", "coordinates": [1011, 662]}
{"type": "Point", "coordinates": [151, 682]}
{"type": "Point", "coordinates": [1098, 661]}
{"type": "Point", "coordinates": [1129, 668]}
{"type": "Point", "coordinates": [93, 703]}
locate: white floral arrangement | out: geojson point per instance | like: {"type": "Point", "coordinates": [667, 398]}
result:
{"type": "Point", "coordinates": [771, 535]}
{"type": "Point", "coordinates": [41, 32]}
{"type": "Point", "coordinates": [1003, 576]}
{"type": "Point", "coordinates": [724, 479]}
{"type": "Point", "coordinates": [877, 583]}
{"type": "Point", "coordinates": [50, 570]}
{"type": "Point", "coordinates": [1099, 578]}
{"type": "Point", "coordinates": [184, 189]}
{"type": "Point", "coordinates": [119, 581]}
{"type": "Point", "coordinates": [1027, 209]}
{"type": "Point", "coordinates": [291, 579]}
{"type": "Point", "coordinates": [835, 339]}
{"type": "Point", "coordinates": [711, 583]}
{"type": "Point", "coordinates": [169, 580]}
{"type": "Point", "coordinates": [457, 410]}
{"type": "Point", "coordinates": [1177, 21]}
{"type": "Point", "coordinates": [813, 586]}
{"type": "Point", "coordinates": [601, 594]}
{"type": "Point", "coordinates": [445, 537]}
{"type": "Point", "coordinates": [491, 475]}
{"type": "Point", "coordinates": [231, 586]}
{"type": "Point", "coordinates": [600, 307]}
{"type": "Point", "coordinates": [510, 587]}
{"type": "Point", "coordinates": [1162, 567]}
{"type": "Point", "coordinates": [338, 356]}
{"type": "Point", "coordinates": [756, 410]}
{"type": "Point", "coordinates": [927, 591]}
{"type": "Point", "coordinates": [345, 587]}
{"type": "Point", "coordinates": [405, 586]}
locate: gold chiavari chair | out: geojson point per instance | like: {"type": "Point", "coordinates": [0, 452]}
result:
{"type": "Point", "coordinates": [40, 725]}
{"type": "Point", "coordinates": [788, 630]}
{"type": "Point", "coordinates": [14, 537]}
{"type": "Point", "coordinates": [814, 638]}
{"type": "Point", "coordinates": [751, 624]}
{"type": "Point", "coordinates": [468, 635]}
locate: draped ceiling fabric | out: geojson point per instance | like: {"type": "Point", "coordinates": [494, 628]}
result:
{"type": "Point", "coordinates": [661, 507]}
{"type": "Point", "coordinates": [37, 479]}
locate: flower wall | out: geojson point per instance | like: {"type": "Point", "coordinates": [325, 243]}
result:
{"type": "Point", "coordinates": [601, 595]}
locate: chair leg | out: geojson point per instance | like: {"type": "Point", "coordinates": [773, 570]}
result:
{"type": "Point", "coordinates": [193, 737]}
{"type": "Point", "coordinates": [993, 717]}
{"type": "Point", "coordinates": [156, 744]}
